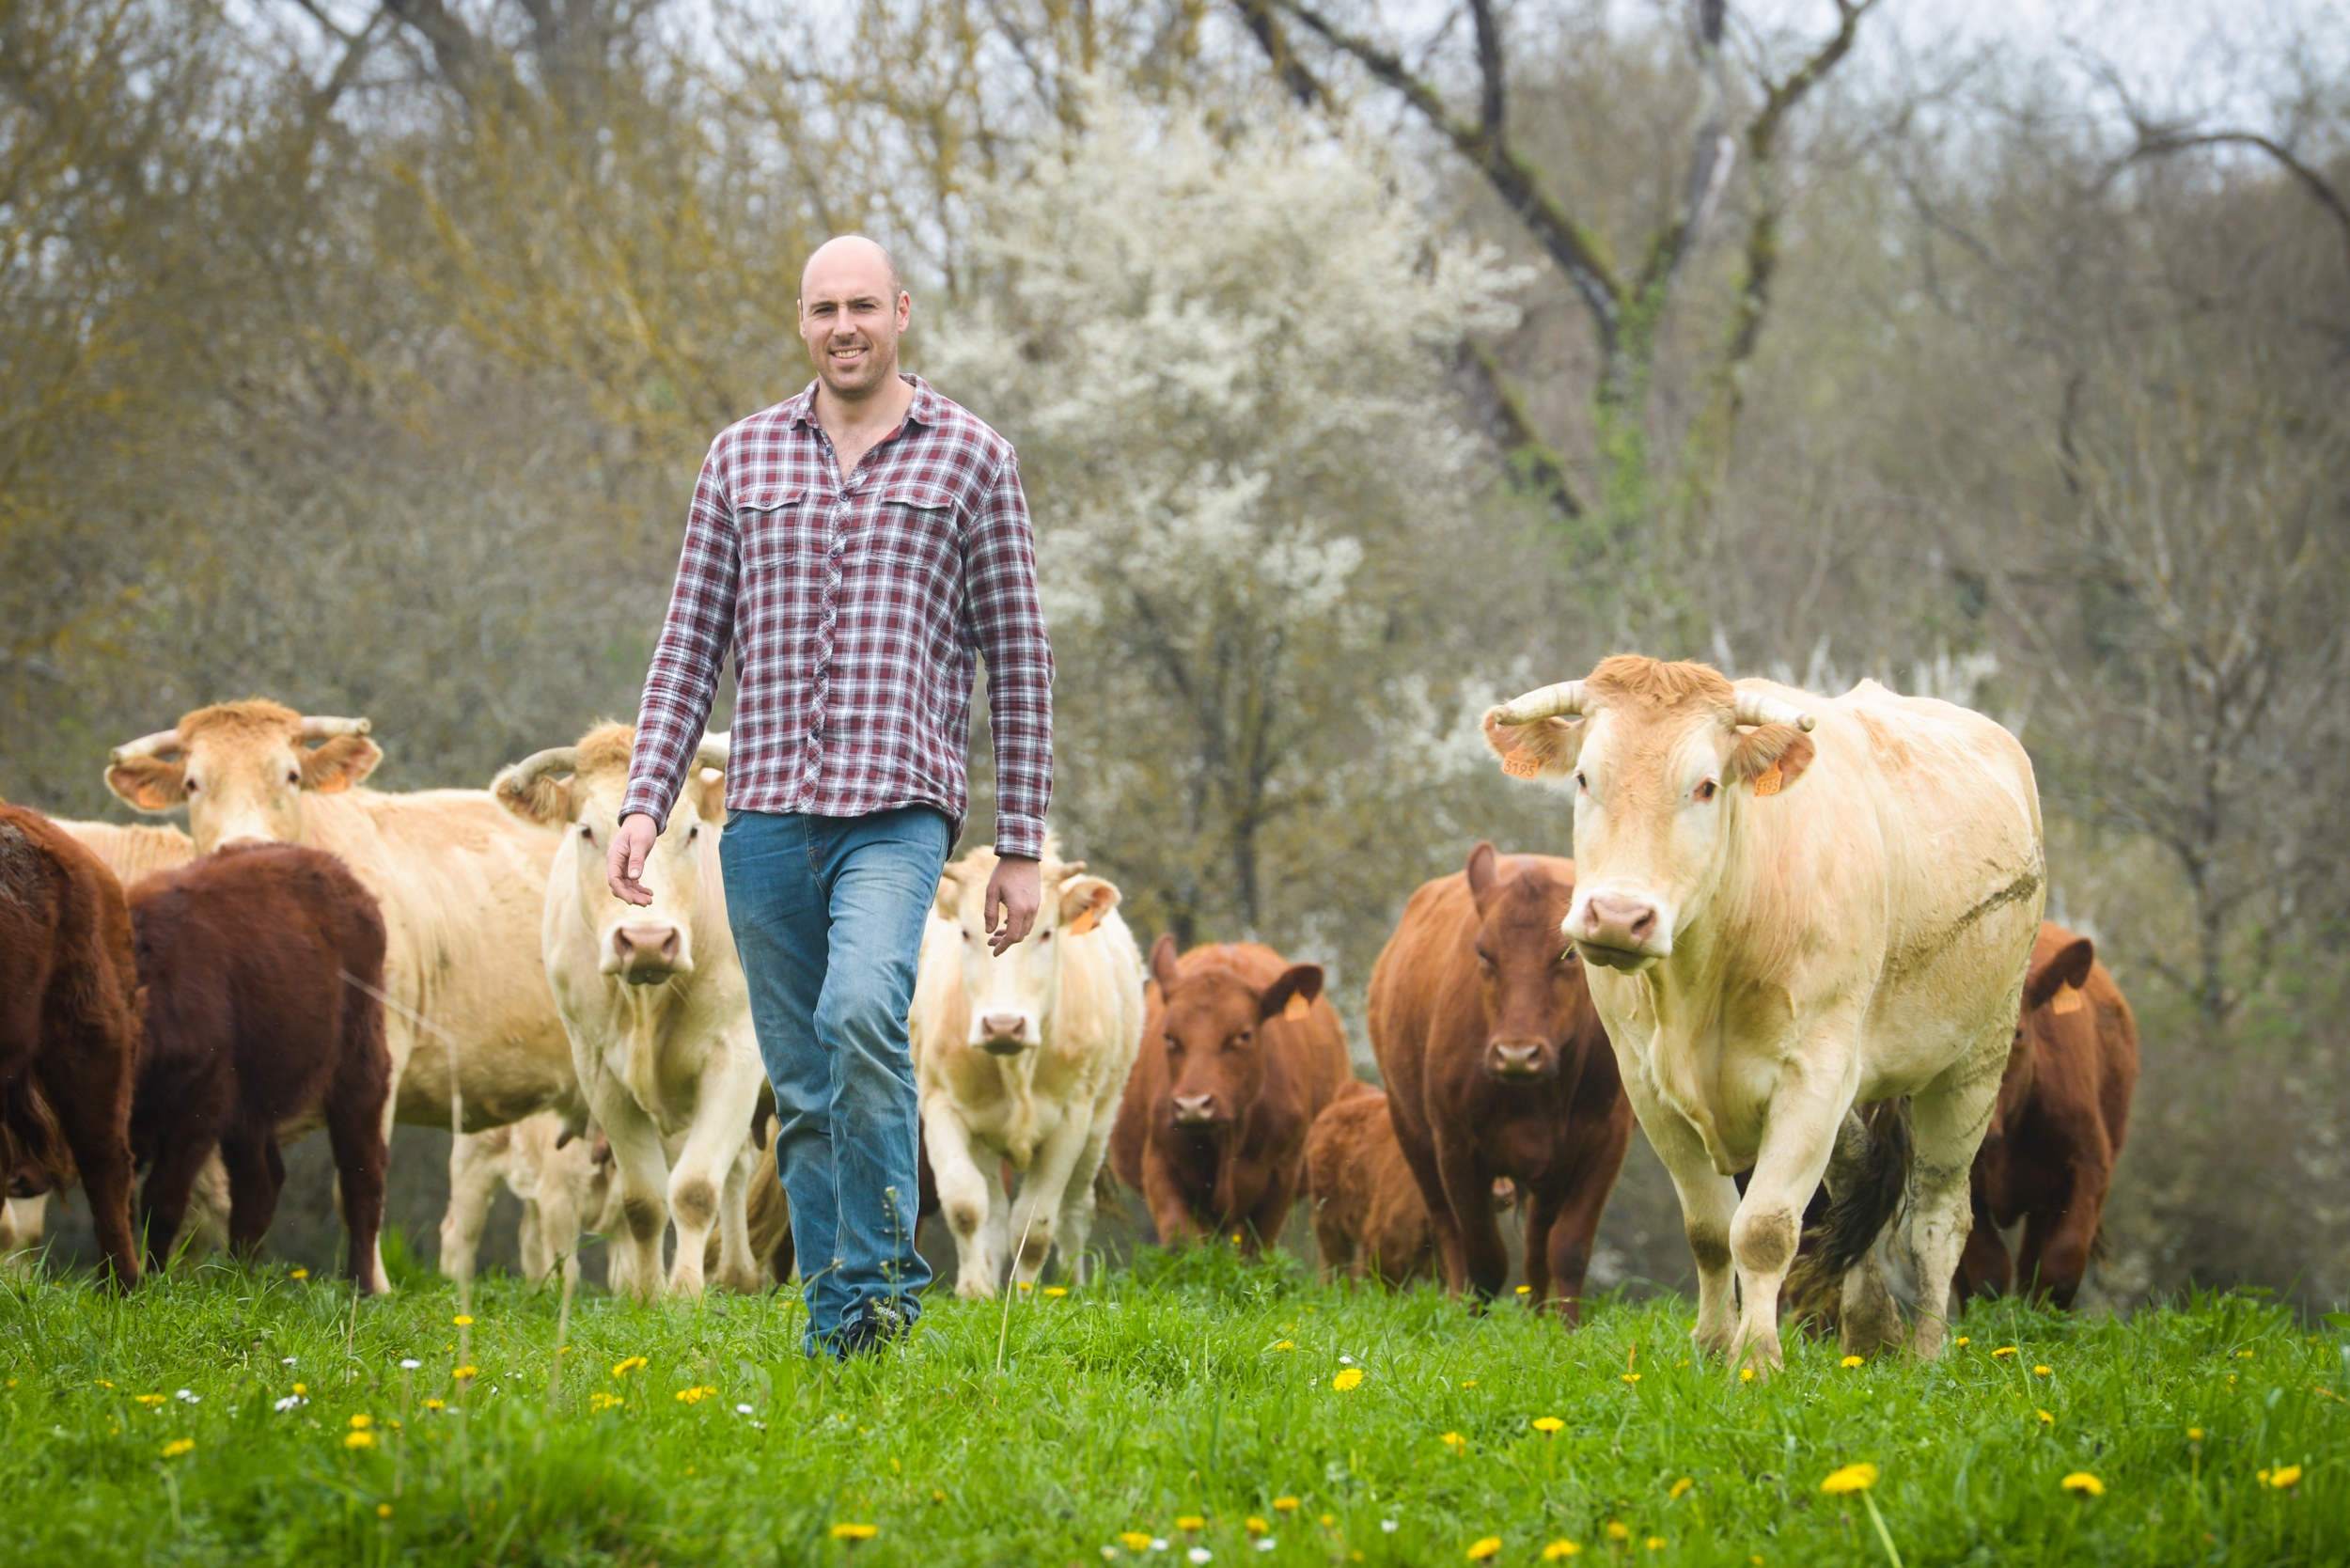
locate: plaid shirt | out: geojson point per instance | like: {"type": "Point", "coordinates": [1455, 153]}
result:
{"type": "Point", "coordinates": [856, 611]}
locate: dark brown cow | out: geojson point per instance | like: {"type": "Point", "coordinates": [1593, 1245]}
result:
{"type": "Point", "coordinates": [69, 1026]}
{"type": "Point", "coordinates": [2063, 1111]}
{"type": "Point", "coordinates": [252, 1025]}
{"type": "Point", "coordinates": [1496, 1066]}
{"type": "Point", "coordinates": [1240, 1052]}
{"type": "Point", "coordinates": [1369, 1219]}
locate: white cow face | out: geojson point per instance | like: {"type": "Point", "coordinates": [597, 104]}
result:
{"type": "Point", "coordinates": [1011, 997]}
{"type": "Point", "coordinates": [1663, 774]}
{"type": "Point", "coordinates": [579, 789]}
{"type": "Point", "coordinates": [242, 770]}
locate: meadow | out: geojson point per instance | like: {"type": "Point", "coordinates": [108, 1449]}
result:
{"type": "Point", "coordinates": [1192, 1410]}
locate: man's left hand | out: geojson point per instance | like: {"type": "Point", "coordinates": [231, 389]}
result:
{"type": "Point", "coordinates": [1013, 889]}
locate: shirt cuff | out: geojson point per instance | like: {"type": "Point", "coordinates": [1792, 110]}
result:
{"type": "Point", "coordinates": [1023, 837]}
{"type": "Point", "coordinates": [644, 800]}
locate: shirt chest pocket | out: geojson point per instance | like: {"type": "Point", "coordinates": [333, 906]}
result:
{"type": "Point", "coordinates": [777, 522]}
{"type": "Point", "coordinates": [909, 526]}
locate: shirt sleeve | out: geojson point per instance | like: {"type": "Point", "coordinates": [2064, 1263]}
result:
{"type": "Point", "coordinates": [1008, 622]}
{"type": "Point", "coordinates": [694, 642]}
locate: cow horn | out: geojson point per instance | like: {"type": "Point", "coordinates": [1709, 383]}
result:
{"type": "Point", "coordinates": [314, 728]}
{"type": "Point", "coordinates": [147, 745]}
{"type": "Point", "coordinates": [540, 764]}
{"type": "Point", "coordinates": [1761, 707]}
{"type": "Point", "coordinates": [1566, 700]}
{"type": "Point", "coordinates": [712, 753]}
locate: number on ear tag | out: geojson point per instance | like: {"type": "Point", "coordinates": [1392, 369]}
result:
{"type": "Point", "coordinates": [1768, 781]}
{"type": "Point", "coordinates": [1519, 765]}
{"type": "Point", "coordinates": [2068, 999]}
{"type": "Point", "coordinates": [1296, 1007]}
{"type": "Point", "coordinates": [1085, 919]}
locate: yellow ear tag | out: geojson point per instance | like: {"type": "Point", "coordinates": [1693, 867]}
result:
{"type": "Point", "coordinates": [1297, 1007]}
{"type": "Point", "coordinates": [2067, 1000]}
{"type": "Point", "coordinates": [1083, 923]}
{"type": "Point", "coordinates": [1768, 781]}
{"type": "Point", "coordinates": [1519, 765]}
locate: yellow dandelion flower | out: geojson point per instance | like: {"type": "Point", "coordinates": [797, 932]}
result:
{"type": "Point", "coordinates": [1558, 1550]}
{"type": "Point", "coordinates": [299, 1274]}
{"type": "Point", "coordinates": [1134, 1539]}
{"type": "Point", "coordinates": [621, 1369]}
{"type": "Point", "coordinates": [1618, 1530]}
{"type": "Point", "coordinates": [1055, 1290]}
{"type": "Point", "coordinates": [1526, 1289]}
{"type": "Point", "coordinates": [2040, 1372]}
{"type": "Point", "coordinates": [1191, 1521]}
{"type": "Point", "coordinates": [1548, 1424]}
{"type": "Point", "coordinates": [1347, 1378]}
{"type": "Point", "coordinates": [1285, 1345]}
{"type": "Point", "coordinates": [2195, 1433]}
{"type": "Point", "coordinates": [179, 1446]}
{"type": "Point", "coordinates": [1852, 1478]}
{"type": "Point", "coordinates": [1256, 1526]}
{"type": "Point", "coordinates": [383, 1510]}
{"type": "Point", "coordinates": [1454, 1441]}
{"type": "Point", "coordinates": [150, 1401]}
{"type": "Point", "coordinates": [103, 1383]}
{"type": "Point", "coordinates": [360, 1424]}
{"type": "Point", "coordinates": [302, 1388]}
{"type": "Point", "coordinates": [1285, 1505]}
{"type": "Point", "coordinates": [436, 1404]}
{"type": "Point", "coordinates": [695, 1395]}
{"type": "Point", "coordinates": [1025, 1284]}
{"type": "Point", "coordinates": [939, 1497]}
{"type": "Point", "coordinates": [1329, 1519]}
{"type": "Point", "coordinates": [1680, 1488]}
{"type": "Point", "coordinates": [2084, 1483]}
{"type": "Point", "coordinates": [1656, 1542]}
{"type": "Point", "coordinates": [1962, 1341]}
{"type": "Point", "coordinates": [602, 1402]}
{"type": "Point", "coordinates": [2004, 1350]}
{"type": "Point", "coordinates": [1853, 1362]}
{"type": "Point", "coordinates": [463, 1320]}
{"type": "Point", "coordinates": [465, 1371]}
{"type": "Point", "coordinates": [1479, 1550]}
{"type": "Point", "coordinates": [1631, 1377]}
{"type": "Point", "coordinates": [2047, 1418]}
{"type": "Point", "coordinates": [1746, 1375]}
{"type": "Point", "coordinates": [2288, 1476]}
{"type": "Point", "coordinates": [359, 1439]}
{"type": "Point", "coordinates": [2243, 1356]}
{"type": "Point", "coordinates": [855, 1532]}
{"type": "Point", "coordinates": [1468, 1383]}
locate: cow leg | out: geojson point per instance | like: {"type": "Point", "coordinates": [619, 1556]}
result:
{"type": "Point", "coordinates": [721, 1130]}
{"type": "Point", "coordinates": [1043, 1196]}
{"type": "Point", "coordinates": [163, 1201]}
{"type": "Point", "coordinates": [355, 1131]}
{"type": "Point", "coordinates": [1419, 1153]}
{"type": "Point", "coordinates": [1567, 1244]}
{"type": "Point", "coordinates": [2056, 1240]}
{"type": "Point", "coordinates": [642, 1169]}
{"type": "Point", "coordinates": [206, 1228]}
{"type": "Point", "coordinates": [88, 1087]}
{"type": "Point", "coordinates": [476, 1161]}
{"type": "Point", "coordinates": [1946, 1120]}
{"type": "Point", "coordinates": [1709, 1205]}
{"type": "Point", "coordinates": [1163, 1192]}
{"type": "Point", "coordinates": [1077, 1199]}
{"type": "Point", "coordinates": [1807, 1108]}
{"type": "Point", "coordinates": [256, 1173]}
{"type": "Point", "coordinates": [1985, 1266]}
{"type": "Point", "coordinates": [1468, 1194]}
{"type": "Point", "coordinates": [965, 1198]}
{"type": "Point", "coordinates": [737, 1269]}
{"type": "Point", "coordinates": [1266, 1221]}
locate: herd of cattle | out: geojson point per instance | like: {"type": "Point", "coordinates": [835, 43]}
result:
{"type": "Point", "coordinates": [1802, 946]}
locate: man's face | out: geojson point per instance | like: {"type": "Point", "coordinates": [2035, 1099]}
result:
{"type": "Point", "coordinates": [850, 318]}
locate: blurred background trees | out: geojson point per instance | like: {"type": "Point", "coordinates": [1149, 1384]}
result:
{"type": "Point", "coordinates": [1367, 361]}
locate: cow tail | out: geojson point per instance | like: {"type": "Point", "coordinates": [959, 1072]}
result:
{"type": "Point", "coordinates": [1868, 1173]}
{"type": "Point", "coordinates": [1107, 1196]}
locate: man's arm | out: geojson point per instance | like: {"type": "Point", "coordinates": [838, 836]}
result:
{"type": "Point", "coordinates": [1008, 623]}
{"type": "Point", "coordinates": [683, 680]}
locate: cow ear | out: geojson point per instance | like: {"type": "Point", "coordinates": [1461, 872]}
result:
{"type": "Point", "coordinates": [1294, 994]}
{"type": "Point", "coordinates": [1084, 900]}
{"type": "Point", "coordinates": [337, 762]}
{"type": "Point", "coordinates": [549, 800]}
{"type": "Point", "coordinates": [1546, 748]}
{"type": "Point", "coordinates": [709, 790]}
{"type": "Point", "coordinates": [1770, 757]}
{"type": "Point", "coordinates": [1164, 966]}
{"type": "Point", "coordinates": [150, 783]}
{"type": "Point", "coordinates": [1484, 872]}
{"type": "Point", "coordinates": [2067, 968]}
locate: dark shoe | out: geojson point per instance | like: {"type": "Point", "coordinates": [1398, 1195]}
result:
{"type": "Point", "coordinates": [871, 1330]}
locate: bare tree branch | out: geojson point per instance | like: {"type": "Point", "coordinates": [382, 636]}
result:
{"type": "Point", "coordinates": [1492, 103]}
{"type": "Point", "coordinates": [2155, 141]}
{"type": "Point", "coordinates": [1539, 464]}
{"type": "Point", "coordinates": [1300, 82]}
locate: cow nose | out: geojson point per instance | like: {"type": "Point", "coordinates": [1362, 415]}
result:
{"type": "Point", "coordinates": [1619, 922]}
{"type": "Point", "coordinates": [1505, 1192]}
{"type": "Point", "coordinates": [1517, 1059]}
{"type": "Point", "coordinates": [646, 951]}
{"type": "Point", "coordinates": [1192, 1111]}
{"type": "Point", "coordinates": [1003, 1026]}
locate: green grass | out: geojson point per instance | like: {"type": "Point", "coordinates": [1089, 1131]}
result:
{"type": "Point", "coordinates": [1192, 1387]}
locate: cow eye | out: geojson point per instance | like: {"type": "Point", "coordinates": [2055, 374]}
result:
{"type": "Point", "coordinates": [1582, 783]}
{"type": "Point", "coordinates": [1705, 790]}
{"type": "Point", "coordinates": [190, 785]}
{"type": "Point", "coordinates": [693, 832]}
{"type": "Point", "coordinates": [587, 833]}
{"type": "Point", "coordinates": [294, 776]}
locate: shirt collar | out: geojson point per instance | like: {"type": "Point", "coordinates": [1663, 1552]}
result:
{"type": "Point", "coordinates": [800, 408]}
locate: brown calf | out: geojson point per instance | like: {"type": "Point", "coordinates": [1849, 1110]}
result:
{"type": "Point", "coordinates": [251, 1024]}
{"type": "Point", "coordinates": [2063, 1111]}
{"type": "Point", "coordinates": [69, 1026]}
{"type": "Point", "coordinates": [1496, 1066]}
{"type": "Point", "coordinates": [1240, 1052]}
{"type": "Point", "coordinates": [1369, 1219]}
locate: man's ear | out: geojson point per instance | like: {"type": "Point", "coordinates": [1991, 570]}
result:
{"type": "Point", "coordinates": [1291, 995]}
{"type": "Point", "coordinates": [1164, 966]}
{"type": "Point", "coordinates": [2067, 968]}
{"type": "Point", "coordinates": [1770, 758]}
{"type": "Point", "coordinates": [339, 762]}
{"type": "Point", "coordinates": [1084, 900]}
{"type": "Point", "coordinates": [1546, 748]}
{"type": "Point", "coordinates": [150, 783]}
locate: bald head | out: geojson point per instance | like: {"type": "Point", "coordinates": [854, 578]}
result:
{"type": "Point", "coordinates": [851, 312]}
{"type": "Point", "coordinates": [851, 259]}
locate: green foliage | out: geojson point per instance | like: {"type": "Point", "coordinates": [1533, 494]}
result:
{"type": "Point", "coordinates": [1196, 1387]}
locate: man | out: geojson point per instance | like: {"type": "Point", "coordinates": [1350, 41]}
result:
{"type": "Point", "coordinates": [858, 545]}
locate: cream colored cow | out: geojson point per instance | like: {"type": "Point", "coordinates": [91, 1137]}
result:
{"type": "Point", "coordinates": [658, 1010]}
{"type": "Point", "coordinates": [1788, 906]}
{"type": "Point", "coordinates": [1023, 1057]}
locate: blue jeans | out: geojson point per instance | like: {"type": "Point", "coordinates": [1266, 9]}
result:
{"type": "Point", "coordinates": [827, 914]}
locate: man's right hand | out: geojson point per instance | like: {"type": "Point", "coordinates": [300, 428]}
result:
{"type": "Point", "coordinates": [625, 865]}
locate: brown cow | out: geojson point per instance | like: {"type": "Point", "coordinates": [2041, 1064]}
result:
{"type": "Point", "coordinates": [1496, 1066]}
{"type": "Point", "coordinates": [69, 1026]}
{"type": "Point", "coordinates": [254, 1022]}
{"type": "Point", "coordinates": [1240, 1052]}
{"type": "Point", "coordinates": [2063, 1111]}
{"type": "Point", "coordinates": [1370, 1220]}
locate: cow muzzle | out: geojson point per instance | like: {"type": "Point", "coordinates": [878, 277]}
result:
{"type": "Point", "coordinates": [1196, 1110]}
{"type": "Point", "coordinates": [1505, 1193]}
{"type": "Point", "coordinates": [646, 955]}
{"type": "Point", "coordinates": [1005, 1034]}
{"type": "Point", "coordinates": [1619, 931]}
{"type": "Point", "coordinates": [1521, 1058]}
